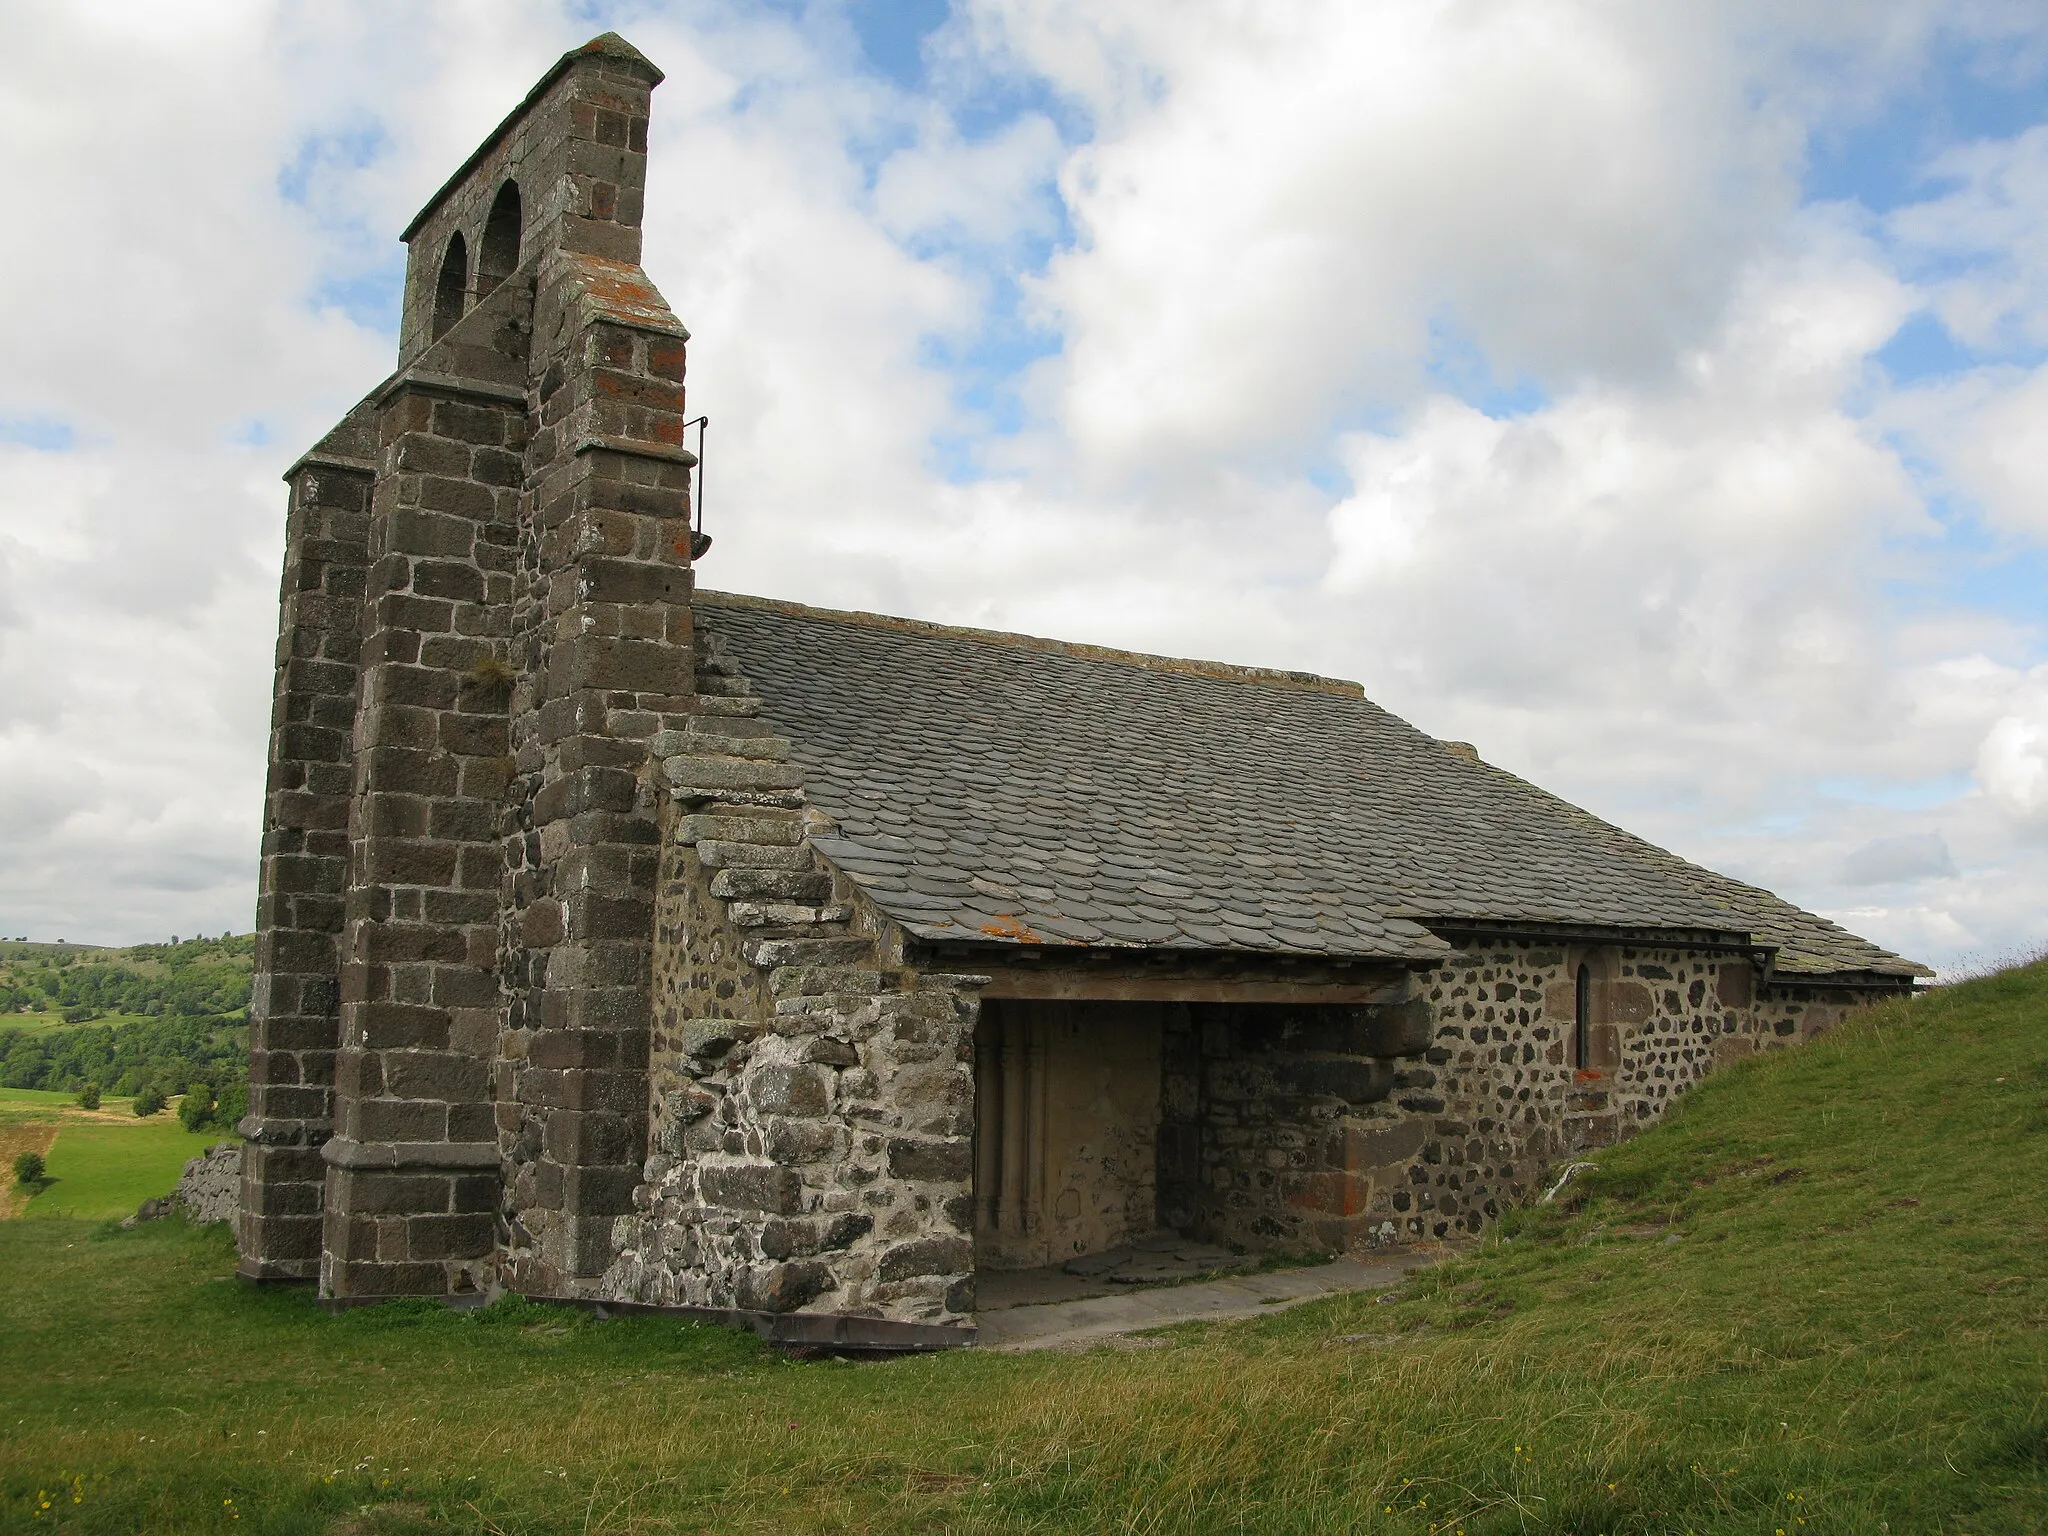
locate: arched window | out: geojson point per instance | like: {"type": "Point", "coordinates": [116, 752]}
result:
{"type": "Point", "coordinates": [498, 256]}
{"type": "Point", "coordinates": [1582, 1021]}
{"type": "Point", "coordinates": [450, 288]}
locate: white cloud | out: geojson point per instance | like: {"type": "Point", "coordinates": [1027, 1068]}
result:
{"type": "Point", "coordinates": [1895, 860]}
{"type": "Point", "coordinates": [1314, 245]}
{"type": "Point", "coordinates": [2012, 763]}
{"type": "Point", "coordinates": [1694, 562]}
{"type": "Point", "coordinates": [1983, 431]}
{"type": "Point", "coordinates": [988, 192]}
{"type": "Point", "coordinates": [1985, 237]}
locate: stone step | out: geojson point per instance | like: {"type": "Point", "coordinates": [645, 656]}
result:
{"type": "Point", "coordinates": [758, 749]}
{"type": "Point", "coordinates": [723, 855]}
{"type": "Point", "coordinates": [771, 885]}
{"type": "Point", "coordinates": [702, 724]}
{"type": "Point", "coordinates": [701, 728]}
{"type": "Point", "coordinates": [814, 1011]}
{"type": "Point", "coordinates": [779, 829]}
{"type": "Point", "coordinates": [823, 981]}
{"type": "Point", "coordinates": [703, 777]}
{"type": "Point", "coordinates": [783, 914]}
{"type": "Point", "coordinates": [770, 953]}
{"type": "Point", "coordinates": [714, 685]}
{"type": "Point", "coordinates": [711, 704]}
{"type": "Point", "coordinates": [739, 799]}
{"type": "Point", "coordinates": [709, 1037]}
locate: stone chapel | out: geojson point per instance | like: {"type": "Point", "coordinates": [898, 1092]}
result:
{"type": "Point", "coordinates": [625, 941]}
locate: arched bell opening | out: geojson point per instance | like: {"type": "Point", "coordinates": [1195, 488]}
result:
{"type": "Point", "coordinates": [451, 288]}
{"type": "Point", "coordinates": [498, 256]}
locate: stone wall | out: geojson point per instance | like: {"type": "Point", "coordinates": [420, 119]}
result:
{"type": "Point", "coordinates": [1302, 1128]}
{"type": "Point", "coordinates": [601, 636]}
{"type": "Point", "coordinates": [1282, 1123]}
{"type": "Point", "coordinates": [1792, 1012]}
{"type": "Point", "coordinates": [1508, 1103]}
{"type": "Point", "coordinates": [810, 1094]}
{"type": "Point", "coordinates": [413, 1161]}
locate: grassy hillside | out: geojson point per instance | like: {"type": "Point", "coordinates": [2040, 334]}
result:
{"type": "Point", "coordinates": [75, 983]}
{"type": "Point", "coordinates": [124, 1019]}
{"type": "Point", "coordinates": [1812, 1302]}
{"type": "Point", "coordinates": [106, 1167]}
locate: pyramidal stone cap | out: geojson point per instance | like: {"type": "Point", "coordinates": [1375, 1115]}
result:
{"type": "Point", "coordinates": [606, 45]}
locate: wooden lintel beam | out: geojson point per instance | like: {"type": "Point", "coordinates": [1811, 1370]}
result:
{"type": "Point", "coordinates": [1095, 986]}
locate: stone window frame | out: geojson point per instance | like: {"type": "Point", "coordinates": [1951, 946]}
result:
{"type": "Point", "coordinates": [1601, 965]}
{"type": "Point", "coordinates": [1582, 1016]}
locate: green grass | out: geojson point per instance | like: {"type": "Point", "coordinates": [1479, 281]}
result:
{"type": "Point", "coordinates": [54, 1023]}
{"type": "Point", "coordinates": [1849, 1335]}
{"type": "Point", "coordinates": [18, 1101]}
{"type": "Point", "coordinates": [35, 1097]}
{"type": "Point", "coordinates": [99, 1170]}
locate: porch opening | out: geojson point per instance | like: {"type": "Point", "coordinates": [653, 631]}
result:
{"type": "Point", "coordinates": [1067, 1121]}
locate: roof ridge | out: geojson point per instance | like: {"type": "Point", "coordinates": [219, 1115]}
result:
{"type": "Point", "coordinates": [1225, 671]}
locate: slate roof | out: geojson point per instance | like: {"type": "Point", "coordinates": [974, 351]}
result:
{"type": "Point", "coordinates": [997, 788]}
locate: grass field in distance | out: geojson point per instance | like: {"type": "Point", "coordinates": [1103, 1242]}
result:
{"type": "Point", "coordinates": [102, 1163]}
{"type": "Point", "coordinates": [1848, 1334]}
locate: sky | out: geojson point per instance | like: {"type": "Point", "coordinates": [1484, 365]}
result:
{"type": "Point", "coordinates": [1654, 396]}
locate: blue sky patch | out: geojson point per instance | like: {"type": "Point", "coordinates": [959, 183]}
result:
{"type": "Point", "coordinates": [46, 433]}
{"type": "Point", "coordinates": [892, 34]}
{"type": "Point", "coordinates": [1922, 348]}
{"type": "Point", "coordinates": [1923, 796]}
{"type": "Point", "coordinates": [1974, 568]}
{"type": "Point", "coordinates": [371, 299]}
{"type": "Point", "coordinates": [1458, 365]}
{"type": "Point", "coordinates": [348, 149]}
{"type": "Point", "coordinates": [1968, 90]}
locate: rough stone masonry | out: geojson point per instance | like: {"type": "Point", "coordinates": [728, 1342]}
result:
{"type": "Point", "coordinates": [620, 940]}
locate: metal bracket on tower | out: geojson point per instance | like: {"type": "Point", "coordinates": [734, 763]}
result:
{"type": "Point", "coordinates": [700, 541]}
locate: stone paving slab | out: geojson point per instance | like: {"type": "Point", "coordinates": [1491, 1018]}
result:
{"type": "Point", "coordinates": [1064, 1324]}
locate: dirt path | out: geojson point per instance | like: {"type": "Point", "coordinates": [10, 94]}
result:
{"type": "Point", "coordinates": [1097, 1319]}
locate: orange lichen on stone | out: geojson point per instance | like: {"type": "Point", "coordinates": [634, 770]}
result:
{"type": "Point", "coordinates": [1004, 926]}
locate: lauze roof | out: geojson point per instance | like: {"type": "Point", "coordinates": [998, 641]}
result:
{"type": "Point", "coordinates": [998, 789]}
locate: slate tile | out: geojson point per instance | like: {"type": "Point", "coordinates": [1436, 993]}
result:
{"type": "Point", "coordinates": [1312, 809]}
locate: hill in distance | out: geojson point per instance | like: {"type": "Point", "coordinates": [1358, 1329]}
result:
{"type": "Point", "coordinates": [122, 1019]}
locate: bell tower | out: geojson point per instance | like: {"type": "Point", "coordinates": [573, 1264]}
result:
{"type": "Point", "coordinates": [485, 616]}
